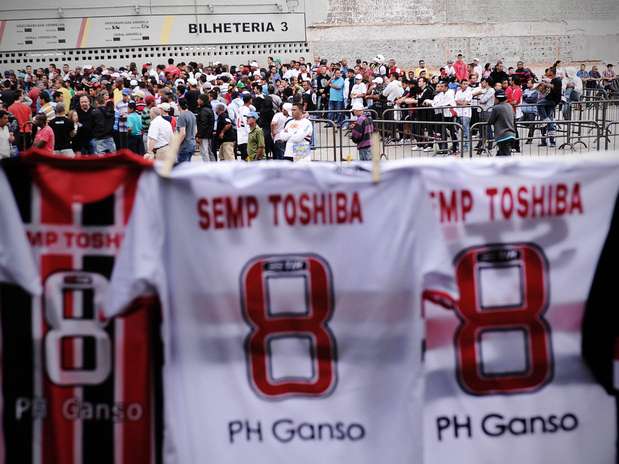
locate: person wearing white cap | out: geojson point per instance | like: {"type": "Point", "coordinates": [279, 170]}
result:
{"type": "Point", "coordinates": [357, 94]}
{"type": "Point", "coordinates": [361, 133]}
{"type": "Point", "coordinates": [159, 132]}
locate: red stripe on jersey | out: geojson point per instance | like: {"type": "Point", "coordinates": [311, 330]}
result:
{"type": "Point", "coordinates": [617, 349]}
{"type": "Point", "coordinates": [137, 377]}
{"type": "Point", "coordinates": [58, 432]}
{"type": "Point", "coordinates": [129, 196]}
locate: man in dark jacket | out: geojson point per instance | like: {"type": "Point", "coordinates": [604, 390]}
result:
{"type": "Point", "coordinates": [83, 140]}
{"type": "Point", "coordinates": [103, 127]}
{"type": "Point", "coordinates": [206, 127]}
{"type": "Point", "coordinates": [502, 118]}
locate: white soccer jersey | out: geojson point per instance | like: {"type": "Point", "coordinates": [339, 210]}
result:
{"type": "Point", "coordinates": [505, 378]}
{"type": "Point", "coordinates": [291, 299]}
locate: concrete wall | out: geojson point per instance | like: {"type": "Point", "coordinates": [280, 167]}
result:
{"type": "Point", "coordinates": [537, 31]}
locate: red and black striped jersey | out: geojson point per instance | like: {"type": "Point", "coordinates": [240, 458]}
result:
{"type": "Point", "coordinates": [76, 387]}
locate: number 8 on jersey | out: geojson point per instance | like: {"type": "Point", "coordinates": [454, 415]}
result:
{"type": "Point", "coordinates": [310, 324]}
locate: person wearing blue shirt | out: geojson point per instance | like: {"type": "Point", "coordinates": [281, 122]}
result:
{"type": "Point", "coordinates": [336, 97]}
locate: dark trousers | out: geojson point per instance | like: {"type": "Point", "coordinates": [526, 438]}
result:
{"type": "Point", "coordinates": [505, 148]}
{"type": "Point", "coordinates": [279, 148]}
{"type": "Point", "coordinates": [242, 148]}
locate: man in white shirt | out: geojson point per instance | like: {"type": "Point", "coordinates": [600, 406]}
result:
{"type": "Point", "coordinates": [394, 89]}
{"type": "Point", "coordinates": [159, 134]}
{"type": "Point", "coordinates": [277, 126]}
{"type": "Point", "coordinates": [6, 137]}
{"type": "Point", "coordinates": [444, 101]}
{"type": "Point", "coordinates": [464, 97]}
{"type": "Point", "coordinates": [298, 136]}
{"type": "Point", "coordinates": [357, 94]}
{"type": "Point", "coordinates": [242, 129]}
{"type": "Point", "coordinates": [484, 97]}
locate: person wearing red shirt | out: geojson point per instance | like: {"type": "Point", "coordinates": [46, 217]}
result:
{"type": "Point", "coordinates": [45, 135]}
{"type": "Point", "coordinates": [172, 70]}
{"type": "Point", "coordinates": [461, 68]}
{"type": "Point", "coordinates": [22, 113]}
{"type": "Point", "coordinates": [514, 98]}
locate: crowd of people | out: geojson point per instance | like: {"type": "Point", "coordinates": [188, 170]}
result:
{"type": "Point", "coordinates": [255, 112]}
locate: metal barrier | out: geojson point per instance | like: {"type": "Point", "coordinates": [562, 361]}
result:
{"type": "Point", "coordinates": [324, 143]}
{"type": "Point", "coordinates": [421, 139]}
{"type": "Point", "coordinates": [325, 114]}
{"type": "Point", "coordinates": [611, 138]}
{"type": "Point", "coordinates": [529, 144]}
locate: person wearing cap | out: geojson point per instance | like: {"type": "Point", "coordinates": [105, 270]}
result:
{"type": "Point", "coordinates": [278, 123]}
{"type": "Point", "coordinates": [134, 126]}
{"type": "Point", "coordinates": [192, 95]}
{"type": "Point", "coordinates": [358, 91]}
{"type": "Point", "coordinates": [361, 133]}
{"type": "Point", "coordinates": [502, 120]}
{"type": "Point", "coordinates": [255, 139]}
{"type": "Point", "coordinates": [225, 134]}
{"type": "Point", "coordinates": [159, 134]}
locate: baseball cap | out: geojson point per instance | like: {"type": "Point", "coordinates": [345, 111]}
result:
{"type": "Point", "coordinates": [252, 114]}
{"type": "Point", "coordinates": [178, 82]}
{"type": "Point", "coordinates": [378, 80]}
{"type": "Point", "coordinates": [287, 107]}
{"type": "Point", "coordinates": [133, 83]}
{"type": "Point", "coordinates": [357, 106]}
{"type": "Point", "coordinates": [254, 64]}
{"type": "Point", "coordinates": [165, 107]}
{"type": "Point", "coordinates": [358, 77]}
{"type": "Point", "coordinates": [500, 95]}
{"type": "Point", "coordinates": [138, 93]}
{"type": "Point", "coordinates": [192, 81]}
{"type": "Point", "coordinates": [126, 91]}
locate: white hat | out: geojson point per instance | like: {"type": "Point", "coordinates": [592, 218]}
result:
{"type": "Point", "coordinates": [165, 107]}
{"type": "Point", "coordinates": [287, 106]}
{"type": "Point", "coordinates": [178, 82]}
{"type": "Point", "coordinates": [379, 58]}
{"type": "Point", "coordinates": [475, 59]}
{"type": "Point", "coordinates": [216, 63]}
{"type": "Point", "coordinates": [378, 80]}
{"type": "Point", "coordinates": [257, 74]}
{"type": "Point", "coordinates": [357, 106]}
{"type": "Point", "coordinates": [88, 66]}
{"type": "Point", "coordinates": [358, 77]}
{"type": "Point", "coordinates": [138, 93]}
{"type": "Point", "coordinates": [253, 64]}
{"type": "Point", "coordinates": [210, 77]}
{"type": "Point", "coordinates": [115, 74]}
{"type": "Point", "coordinates": [197, 75]}
{"type": "Point", "coordinates": [133, 83]}
{"type": "Point", "coordinates": [192, 81]}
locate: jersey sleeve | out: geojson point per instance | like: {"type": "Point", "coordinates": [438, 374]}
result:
{"type": "Point", "coordinates": [17, 264]}
{"type": "Point", "coordinates": [600, 329]}
{"type": "Point", "coordinates": [138, 270]}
